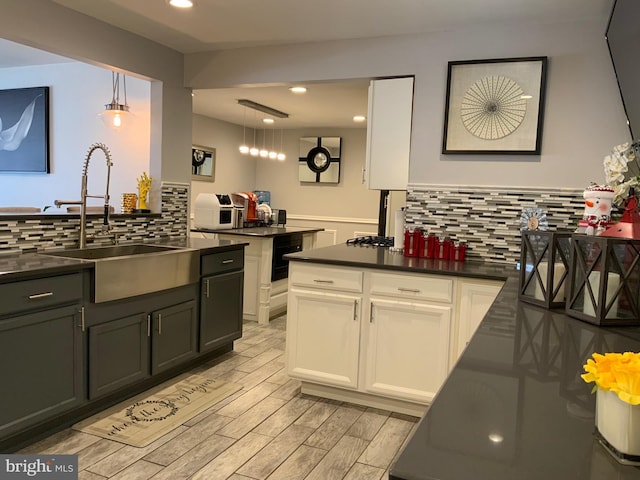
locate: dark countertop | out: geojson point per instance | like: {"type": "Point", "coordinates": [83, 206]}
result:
{"type": "Point", "coordinates": [514, 407]}
{"type": "Point", "coordinates": [28, 265]}
{"type": "Point", "coordinates": [372, 257]}
{"type": "Point", "coordinates": [61, 214]}
{"type": "Point", "coordinates": [261, 231]}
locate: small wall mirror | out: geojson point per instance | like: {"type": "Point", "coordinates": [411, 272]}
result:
{"type": "Point", "coordinates": [203, 162]}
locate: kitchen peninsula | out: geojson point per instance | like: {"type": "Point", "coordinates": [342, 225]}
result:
{"type": "Point", "coordinates": [265, 284]}
{"type": "Point", "coordinates": [512, 406]}
{"type": "Point", "coordinates": [67, 352]}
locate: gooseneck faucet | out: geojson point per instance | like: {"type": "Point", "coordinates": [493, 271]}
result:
{"type": "Point", "coordinates": [84, 195]}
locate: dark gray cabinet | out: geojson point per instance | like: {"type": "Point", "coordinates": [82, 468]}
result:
{"type": "Point", "coordinates": [221, 299]}
{"type": "Point", "coordinates": [61, 356]}
{"type": "Point", "coordinates": [118, 354]}
{"type": "Point", "coordinates": [40, 366]}
{"type": "Point", "coordinates": [130, 349]}
{"type": "Point", "coordinates": [174, 336]}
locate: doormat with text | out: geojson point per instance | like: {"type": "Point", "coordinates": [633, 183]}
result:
{"type": "Point", "coordinates": [140, 420]}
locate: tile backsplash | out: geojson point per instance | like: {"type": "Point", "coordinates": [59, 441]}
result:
{"type": "Point", "coordinates": [488, 218]}
{"type": "Point", "coordinates": [54, 232]}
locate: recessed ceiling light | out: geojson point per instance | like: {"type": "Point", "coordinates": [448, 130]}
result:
{"type": "Point", "coordinates": [359, 118]}
{"type": "Point", "coordinates": [268, 120]}
{"type": "Point", "coordinates": [181, 3]}
{"type": "Point", "coordinates": [298, 89]}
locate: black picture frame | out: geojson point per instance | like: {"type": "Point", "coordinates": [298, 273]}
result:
{"type": "Point", "coordinates": [495, 106]}
{"type": "Point", "coordinates": [24, 145]}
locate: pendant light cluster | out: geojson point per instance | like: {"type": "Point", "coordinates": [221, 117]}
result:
{"type": "Point", "coordinates": [256, 151]}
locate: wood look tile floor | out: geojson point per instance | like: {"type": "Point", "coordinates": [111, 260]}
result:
{"type": "Point", "coordinates": [266, 431]}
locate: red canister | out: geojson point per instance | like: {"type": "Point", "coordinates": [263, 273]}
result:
{"type": "Point", "coordinates": [457, 252]}
{"type": "Point", "coordinates": [442, 249]}
{"type": "Point", "coordinates": [431, 245]}
{"type": "Point", "coordinates": [411, 241]}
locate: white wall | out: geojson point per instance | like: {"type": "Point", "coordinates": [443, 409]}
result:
{"type": "Point", "coordinates": [349, 198]}
{"type": "Point", "coordinates": [234, 172]}
{"type": "Point", "coordinates": [341, 208]}
{"type": "Point", "coordinates": [77, 95]}
{"type": "Point", "coordinates": [583, 119]}
{"type": "Point", "coordinates": [46, 25]}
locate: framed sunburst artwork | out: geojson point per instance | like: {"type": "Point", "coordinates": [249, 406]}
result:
{"type": "Point", "coordinates": [495, 106]}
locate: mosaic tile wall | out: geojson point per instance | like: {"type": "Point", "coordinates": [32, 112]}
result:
{"type": "Point", "coordinates": [47, 233]}
{"type": "Point", "coordinates": [488, 218]}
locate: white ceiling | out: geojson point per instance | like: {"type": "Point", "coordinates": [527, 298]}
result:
{"type": "Point", "coordinates": [221, 24]}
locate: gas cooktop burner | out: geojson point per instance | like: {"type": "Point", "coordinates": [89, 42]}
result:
{"type": "Point", "coordinates": [375, 241]}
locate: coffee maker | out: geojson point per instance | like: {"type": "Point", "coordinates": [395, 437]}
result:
{"type": "Point", "coordinates": [246, 202]}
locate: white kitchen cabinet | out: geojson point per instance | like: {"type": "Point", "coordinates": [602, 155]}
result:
{"type": "Point", "coordinates": [407, 349]}
{"type": "Point", "coordinates": [474, 299]}
{"type": "Point", "coordinates": [323, 335]}
{"type": "Point", "coordinates": [394, 356]}
{"type": "Point", "coordinates": [323, 324]}
{"type": "Point", "coordinates": [407, 335]}
{"type": "Point", "coordinates": [389, 133]}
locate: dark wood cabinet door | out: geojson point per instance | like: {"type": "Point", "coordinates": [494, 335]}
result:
{"type": "Point", "coordinates": [118, 354]}
{"type": "Point", "coordinates": [41, 367]}
{"type": "Point", "coordinates": [174, 336]}
{"type": "Point", "coordinates": [220, 310]}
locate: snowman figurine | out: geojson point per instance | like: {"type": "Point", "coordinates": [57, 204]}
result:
{"type": "Point", "coordinates": [597, 209]}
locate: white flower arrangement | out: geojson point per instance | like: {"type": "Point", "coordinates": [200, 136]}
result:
{"type": "Point", "coordinates": [622, 171]}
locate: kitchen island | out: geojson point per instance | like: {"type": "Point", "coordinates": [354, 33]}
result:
{"type": "Point", "coordinates": [265, 285]}
{"type": "Point", "coordinates": [513, 405]}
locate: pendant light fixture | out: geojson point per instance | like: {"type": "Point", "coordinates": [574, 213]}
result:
{"type": "Point", "coordinates": [281, 156]}
{"type": "Point", "coordinates": [272, 153]}
{"type": "Point", "coordinates": [254, 151]}
{"type": "Point", "coordinates": [263, 152]}
{"type": "Point", "coordinates": [244, 148]}
{"type": "Point", "coordinates": [115, 112]}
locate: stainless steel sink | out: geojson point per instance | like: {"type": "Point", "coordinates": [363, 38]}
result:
{"type": "Point", "coordinates": [124, 271]}
{"type": "Point", "coordinates": [100, 253]}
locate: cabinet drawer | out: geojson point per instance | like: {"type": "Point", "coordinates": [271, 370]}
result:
{"type": "Point", "coordinates": [39, 293]}
{"type": "Point", "coordinates": [420, 287]}
{"type": "Point", "coordinates": [222, 262]}
{"type": "Point", "coordinates": [318, 276]}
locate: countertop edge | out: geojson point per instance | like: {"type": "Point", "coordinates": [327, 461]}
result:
{"type": "Point", "coordinates": [16, 267]}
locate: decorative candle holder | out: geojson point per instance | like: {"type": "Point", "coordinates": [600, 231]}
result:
{"type": "Point", "coordinates": [604, 275]}
{"type": "Point", "coordinates": [128, 202]}
{"type": "Point", "coordinates": [544, 266]}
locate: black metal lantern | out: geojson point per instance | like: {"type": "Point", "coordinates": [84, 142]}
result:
{"type": "Point", "coordinates": [544, 267]}
{"type": "Point", "coordinates": [604, 277]}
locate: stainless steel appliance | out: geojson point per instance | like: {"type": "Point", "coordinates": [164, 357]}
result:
{"type": "Point", "coordinates": [213, 211]}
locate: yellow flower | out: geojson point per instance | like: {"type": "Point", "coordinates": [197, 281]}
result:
{"type": "Point", "coordinates": [618, 372]}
